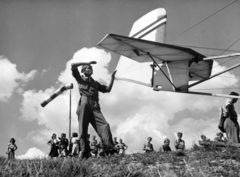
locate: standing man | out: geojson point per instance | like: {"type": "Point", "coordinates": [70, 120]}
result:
{"type": "Point", "coordinates": [89, 110]}
{"type": "Point", "coordinates": [230, 126]}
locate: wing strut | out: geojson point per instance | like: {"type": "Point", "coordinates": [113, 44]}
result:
{"type": "Point", "coordinates": [162, 71]}
{"type": "Point", "coordinates": [132, 81]}
{"type": "Point", "coordinates": [217, 74]}
{"type": "Point", "coordinates": [222, 56]}
{"type": "Point", "coordinates": [213, 94]}
{"type": "Point", "coordinates": [169, 73]}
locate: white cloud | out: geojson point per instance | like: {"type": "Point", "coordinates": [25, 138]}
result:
{"type": "Point", "coordinates": [43, 72]}
{"type": "Point", "coordinates": [29, 76]}
{"type": "Point", "coordinates": [11, 79]}
{"type": "Point", "coordinates": [32, 153]}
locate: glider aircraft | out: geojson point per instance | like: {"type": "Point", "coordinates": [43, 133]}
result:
{"type": "Point", "coordinates": [173, 68]}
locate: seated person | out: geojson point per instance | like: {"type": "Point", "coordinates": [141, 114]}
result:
{"type": "Point", "coordinates": [219, 137]}
{"type": "Point", "coordinates": [115, 143]}
{"type": "Point", "coordinates": [166, 147]}
{"type": "Point", "coordinates": [101, 149]}
{"type": "Point", "coordinates": [204, 138]}
{"type": "Point", "coordinates": [94, 146]}
{"type": "Point", "coordinates": [121, 147]}
{"type": "Point", "coordinates": [179, 143]}
{"type": "Point", "coordinates": [148, 147]}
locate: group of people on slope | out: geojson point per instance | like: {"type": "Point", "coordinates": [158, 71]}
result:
{"type": "Point", "coordinates": [89, 111]}
{"type": "Point", "coordinates": [58, 146]}
{"type": "Point", "coordinates": [61, 147]}
{"type": "Point", "coordinates": [98, 149]}
{"type": "Point", "coordinates": [218, 138]}
{"type": "Point", "coordinates": [179, 144]}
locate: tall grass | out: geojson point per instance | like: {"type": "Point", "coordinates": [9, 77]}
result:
{"type": "Point", "coordinates": [194, 162]}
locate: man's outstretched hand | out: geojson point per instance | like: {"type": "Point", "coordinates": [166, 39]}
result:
{"type": "Point", "coordinates": [92, 62]}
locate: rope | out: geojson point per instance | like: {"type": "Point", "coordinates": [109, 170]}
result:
{"type": "Point", "coordinates": [203, 20]}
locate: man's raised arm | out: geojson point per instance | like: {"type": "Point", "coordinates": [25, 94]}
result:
{"type": "Point", "coordinates": [75, 71]}
{"type": "Point", "coordinates": [109, 87]}
{"type": "Point", "coordinates": [75, 65]}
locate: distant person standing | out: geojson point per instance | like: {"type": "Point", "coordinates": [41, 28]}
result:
{"type": "Point", "coordinates": [53, 143]}
{"type": "Point", "coordinates": [63, 144]}
{"type": "Point", "coordinates": [230, 126]}
{"type": "Point", "coordinates": [75, 145]}
{"type": "Point", "coordinates": [89, 110]}
{"type": "Point", "coordinates": [122, 147]}
{"type": "Point", "coordinates": [148, 147]}
{"type": "Point", "coordinates": [11, 148]}
{"type": "Point", "coordinates": [179, 143]}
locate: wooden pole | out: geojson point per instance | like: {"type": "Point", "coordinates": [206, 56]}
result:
{"type": "Point", "coordinates": [70, 105]}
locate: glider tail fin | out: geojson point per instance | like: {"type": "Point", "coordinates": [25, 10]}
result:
{"type": "Point", "coordinates": [152, 26]}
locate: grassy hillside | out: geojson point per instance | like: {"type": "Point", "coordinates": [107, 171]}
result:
{"type": "Point", "coordinates": [195, 162]}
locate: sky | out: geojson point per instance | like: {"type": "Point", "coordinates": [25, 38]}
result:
{"type": "Point", "coordinates": [40, 39]}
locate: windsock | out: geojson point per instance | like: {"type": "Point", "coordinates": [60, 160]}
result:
{"type": "Point", "coordinates": [56, 93]}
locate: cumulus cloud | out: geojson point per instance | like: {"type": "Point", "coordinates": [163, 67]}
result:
{"type": "Point", "coordinates": [32, 153]}
{"type": "Point", "coordinates": [11, 79]}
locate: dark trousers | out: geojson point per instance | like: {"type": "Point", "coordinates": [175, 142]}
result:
{"type": "Point", "coordinates": [89, 112]}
